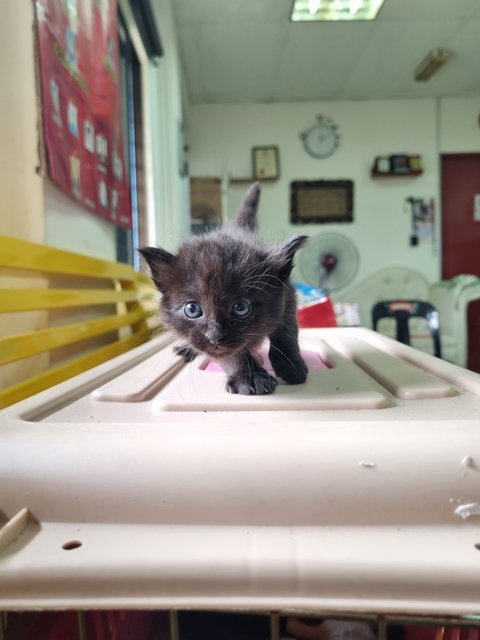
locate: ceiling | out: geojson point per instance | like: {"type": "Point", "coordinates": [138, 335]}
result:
{"type": "Point", "coordinates": [236, 51]}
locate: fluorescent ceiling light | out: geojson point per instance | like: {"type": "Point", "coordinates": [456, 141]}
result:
{"type": "Point", "coordinates": [354, 7]}
{"type": "Point", "coordinates": [431, 64]}
{"type": "Point", "coordinates": [313, 10]}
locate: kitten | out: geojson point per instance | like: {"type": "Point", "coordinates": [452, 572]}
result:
{"type": "Point", "coordinates": [224, 292]}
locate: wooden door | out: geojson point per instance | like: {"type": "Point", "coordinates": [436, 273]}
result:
{"type": "Point", "coordinates": [460, 182]}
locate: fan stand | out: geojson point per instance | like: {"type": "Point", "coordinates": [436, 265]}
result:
{"type": "Point", "coordinates": [328, 263]}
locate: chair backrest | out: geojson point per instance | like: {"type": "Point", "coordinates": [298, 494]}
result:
{"type": "Point", "coordinates": [385, 284]}
{"type": "Point", "coordinates": [402, 311]}
{"type": "Point", "coordinates": [85, 312]}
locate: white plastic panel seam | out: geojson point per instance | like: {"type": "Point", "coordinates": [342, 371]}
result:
{"type": "Point", "coordinates": [38, 407]}
{"type": "Point", "coordinates": [402, 378]}
{"type": "Point", "coordinates": [144, 380]}
{"type": "Point", "coordinates": [467, 380]}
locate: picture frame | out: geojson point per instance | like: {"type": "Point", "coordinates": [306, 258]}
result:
{"type": "Point", "coordinates": [266, 163]}
{"type": "Point", "coordinates": [321, 201]}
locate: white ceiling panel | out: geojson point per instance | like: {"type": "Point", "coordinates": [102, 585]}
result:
{"type": "Point", "coordinates": [202, 12]}
{"type": "Point", "coordinates": [250, 51]}
{"type": "Point", "coordinates": [427, 10]}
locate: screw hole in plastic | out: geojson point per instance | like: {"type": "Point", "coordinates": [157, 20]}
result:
{"type": "Point", "coordinates": [71, 544]}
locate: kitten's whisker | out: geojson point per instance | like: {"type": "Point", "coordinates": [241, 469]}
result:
{"type": "Point", "coordinates": [253, 288]}
{"type": "Point", "coordinates": [272, 346]}
{"type": "Point", "coordinates": [258, 286]}
{"type": "Point", "coordinates": [259, 276]}
{"type": "Point", "coordinates": [256, 266]}
{"type": "Point", "coordinates": [264, 277]}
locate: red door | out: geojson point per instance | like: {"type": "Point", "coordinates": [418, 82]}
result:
{"type": "Point", "coordinates": [460, 231]}
{"type": "Point", "coordinates": [460, 181]}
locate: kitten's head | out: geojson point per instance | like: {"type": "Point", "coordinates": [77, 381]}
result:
{"type": "Point", "coordinates": [223, 292]}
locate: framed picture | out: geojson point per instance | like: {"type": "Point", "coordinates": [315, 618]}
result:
{"type": "Point", "coordinates": [265, 163]}
{"type": "Point", "coordinates": [321, 201]}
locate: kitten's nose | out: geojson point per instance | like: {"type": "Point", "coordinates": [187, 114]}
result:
{"type": "Point", "coordinates": [214, 333]}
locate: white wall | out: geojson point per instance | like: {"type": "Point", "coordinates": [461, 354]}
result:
{"type": "Point", "coordinates": [221, 138]}
{"type": "Point", "coordinates": [71, 227]}
{"type": "Point", "coordinates": [21, 204]}
{"type": "Point", "coordinates": [459, 125]}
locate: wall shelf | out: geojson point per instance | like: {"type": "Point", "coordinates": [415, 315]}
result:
{"type": "Point", "coordinates": [381, 174]}
{"type": "Point", "coordinates": [398, 165]}
{"type": "Point", "coordinates": [250, 180]}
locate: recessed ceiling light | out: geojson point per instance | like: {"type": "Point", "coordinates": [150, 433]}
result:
{"type": "Point", "coordinates": [313, 10]}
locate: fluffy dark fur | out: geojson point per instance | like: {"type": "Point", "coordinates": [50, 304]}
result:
{"type": "Point", "coordinates": [224, 292]}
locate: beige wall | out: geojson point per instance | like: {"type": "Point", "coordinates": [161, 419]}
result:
{"type": "Point", "coordinates": [459, 125]}
{"type": "Point", "coordinates": [21, 204]}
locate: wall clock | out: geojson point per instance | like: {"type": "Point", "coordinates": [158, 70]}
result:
{"type": "Point", "coordinates": [321, 139]}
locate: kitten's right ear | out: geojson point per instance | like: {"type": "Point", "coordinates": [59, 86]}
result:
{"type": "Point", "coordinates": [161, 265]}
{"type": "Point", "coordinates": [247, 214]}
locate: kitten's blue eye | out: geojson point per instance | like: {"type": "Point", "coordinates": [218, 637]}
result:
{"type": "Point", "coordinates": [241, 308]}
{"type": "Point", "coordinates": [193, 310]}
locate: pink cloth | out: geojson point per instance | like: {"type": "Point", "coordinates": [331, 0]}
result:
{"type": "Point", "coordinates": [312, 359]}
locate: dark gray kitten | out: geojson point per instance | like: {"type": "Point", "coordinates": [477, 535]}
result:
{"type": "Point", "coordinates": [224, 292]}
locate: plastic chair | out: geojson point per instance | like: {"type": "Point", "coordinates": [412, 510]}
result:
{"type": "Point", "coordinates": [402, 311]}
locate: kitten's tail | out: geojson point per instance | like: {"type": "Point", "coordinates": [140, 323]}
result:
{"type": "Point", "coordinates": [247, 214]}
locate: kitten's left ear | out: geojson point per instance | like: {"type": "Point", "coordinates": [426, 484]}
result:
{"type": "Point", "coordinates": [283, 256]}
{"type": "Point", "coordinates": [247, 214]}
{"type": "Point", "coordinates": [161, 265]}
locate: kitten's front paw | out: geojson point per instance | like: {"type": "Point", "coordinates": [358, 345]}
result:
{"type": "Point", "coordinates": [258, 383]}
{"type": "Point", "coordinates": [293, 372]}
{"type": "Point", "coordinates": [187, 353]}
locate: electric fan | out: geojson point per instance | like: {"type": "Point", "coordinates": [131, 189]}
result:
{"type": "Point", "coordinates": [329, 261]}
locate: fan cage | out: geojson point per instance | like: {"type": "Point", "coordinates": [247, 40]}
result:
{"type": "Point", "coordinates": [339, 246]}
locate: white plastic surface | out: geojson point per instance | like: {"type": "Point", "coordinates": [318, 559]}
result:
{"type": "Point", "coordinates": [147, 485]}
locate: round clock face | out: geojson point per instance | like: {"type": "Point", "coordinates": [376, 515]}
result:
{"type": "Point", "coordinates": [321, 140]}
